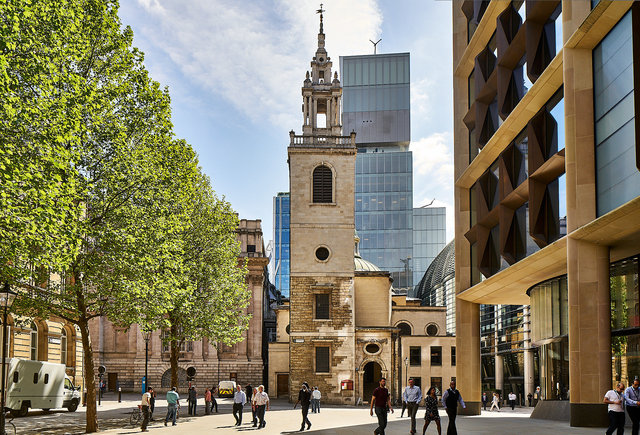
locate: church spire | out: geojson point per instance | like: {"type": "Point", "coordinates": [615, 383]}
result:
{"type": "Point", "coordinates": [320, 11]}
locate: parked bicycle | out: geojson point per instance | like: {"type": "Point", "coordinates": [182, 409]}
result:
{"type": "Point", "coordinates": [9, 427]}
{"type": "Point", "coordinates": [135, 417]}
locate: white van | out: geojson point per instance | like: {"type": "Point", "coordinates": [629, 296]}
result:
{"type": "Point", "coordinates": [39, 385]}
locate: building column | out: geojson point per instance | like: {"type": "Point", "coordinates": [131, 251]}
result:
{"type": "Point", "coordinates": [499, 373]}
{"type": "Point", "coordinates": [529, 386]}
{"type": "Point", "coordinates": [589, 331]}
{"type": "Point", "coordinates": [314, 114]}
{"type": "Point", "coordinates": [328, 114]}
{"type": "Point", "coordinates": [468, 355]}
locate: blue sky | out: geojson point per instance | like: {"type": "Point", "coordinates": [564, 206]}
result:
{"type": "Point", "coordinates": [235, 69]}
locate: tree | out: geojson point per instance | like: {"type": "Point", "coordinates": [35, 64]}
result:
{"type": "Point", "coordinates": [125, 181]}
{"type": "Point", "coordinates": [210, 296]}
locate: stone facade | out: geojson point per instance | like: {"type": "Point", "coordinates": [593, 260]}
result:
{"type": "Point", "coordinates": [122, 352]}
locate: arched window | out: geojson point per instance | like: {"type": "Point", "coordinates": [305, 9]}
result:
{"type": "Point", "coordinates": [34, 341]}
{"type": "Point", "coordinates": [322, 184]}
{"type": "Point", "coordinates": [63, 347]}
{"type": "Point", "coordinates": [405, 329]}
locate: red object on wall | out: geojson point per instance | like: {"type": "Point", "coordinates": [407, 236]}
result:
{"type": "Point", "coordinates": [347, 384]}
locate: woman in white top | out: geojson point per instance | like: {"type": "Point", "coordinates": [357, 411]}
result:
{"type": "Point", "coordinates": [495, 402]}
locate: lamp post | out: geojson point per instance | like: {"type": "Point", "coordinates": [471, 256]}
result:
{"type": "Point", "coordinates": [406, 370]}
{"type": "Point", "coordinates": [146, 335]}
{"type": "Point", "coordinates": [6, 299]}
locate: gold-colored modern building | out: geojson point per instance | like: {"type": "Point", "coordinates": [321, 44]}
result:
{"type": "Point", "coordinates": [547, 190]}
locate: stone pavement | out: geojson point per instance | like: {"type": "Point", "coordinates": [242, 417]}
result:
{"type": "Point", "coordinates": [282, 419]}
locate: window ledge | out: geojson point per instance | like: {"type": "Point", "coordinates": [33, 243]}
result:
{"type": "Point", "coordinates": [322, 204]}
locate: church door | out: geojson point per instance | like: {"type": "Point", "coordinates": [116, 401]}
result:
{"type": "Point", "coordinates": [370, 380]}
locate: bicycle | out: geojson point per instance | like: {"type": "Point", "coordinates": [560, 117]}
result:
{"type": "Point", "coordinates": [9, 427]}
{"type": "Point", "coordinates": [135, 417]}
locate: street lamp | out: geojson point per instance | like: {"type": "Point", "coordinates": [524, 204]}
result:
{"type": "Point", "coordinates": [146, 335]}
{"type": "Point", "coordinates": [406, 370]}
{"type": "Point", "coordinates": [6, 299]}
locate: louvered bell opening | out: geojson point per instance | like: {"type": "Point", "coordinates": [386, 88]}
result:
{"type": "Point", "coordinates": [322, 185]}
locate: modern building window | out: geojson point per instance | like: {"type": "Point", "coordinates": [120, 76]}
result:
{"type": "Point", "coordinates": [34, 341]}
{"type": "Point", "coordinates": [322, 184]}
{"type": "Point", "coordinates": [322, 359]}
{"type": "Point", "coordinates": [453, 356]}
{"type": "Point", "coordinates": [415, 356]}
{"type": "Point", "coordinates": [63, 347]}
{"type": "Point", "coordinates": [322, 306]}
{"type": "Point", "coordinates": [436, 355]}
{"type": "Point", "coordinates": [617, 174]}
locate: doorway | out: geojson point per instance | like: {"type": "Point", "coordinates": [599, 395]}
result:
{"type": "Point", "coordinates": [370, 379]}
{"type": "Point", "coordinates": [112, 382]}
{"type": "Point", "coordinates": [282, 385]}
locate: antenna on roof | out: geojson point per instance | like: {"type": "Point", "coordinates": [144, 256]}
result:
{"type": "Point", "coordinates": [375, 45]}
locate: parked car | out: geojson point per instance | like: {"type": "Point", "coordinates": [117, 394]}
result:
{"type": "Point", "coordinates": [226, 388]}
{"type": "Point", "coordinates": [39, 385]}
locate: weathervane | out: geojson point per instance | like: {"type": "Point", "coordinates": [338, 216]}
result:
{"type": "Point", "coordinates": [375, 45]}
{"type": "Point", "coordinates": [320, 11]}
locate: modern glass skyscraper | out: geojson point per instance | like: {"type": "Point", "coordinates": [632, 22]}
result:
{"type": "Point", "coordinates": [376, 106]}
{"type": "Point", "coordinates": [429, 234]}
{"type": "Point", "coordinates": [280, 254]}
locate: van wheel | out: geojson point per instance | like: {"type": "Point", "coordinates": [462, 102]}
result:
{"type": "Point", "coordinates": [23, 411]}
{"type": "Point", "coordinates": [73, 406]}
{"type": "Point", "coordinates": [46, 409]}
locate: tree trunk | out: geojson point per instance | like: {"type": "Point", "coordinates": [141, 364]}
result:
{"type": "Point", "coordinates": [90, 378]}
{"type": "Point", "coordinates": [174, 356]}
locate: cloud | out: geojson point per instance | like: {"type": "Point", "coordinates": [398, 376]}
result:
{"type": "Point", "coordinates": [433, 174]}
{"type": "Point", "coordinates": [252, 56]}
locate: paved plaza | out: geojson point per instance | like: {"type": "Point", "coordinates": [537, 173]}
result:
{"type": "Point", "coordinates": [282, 419]}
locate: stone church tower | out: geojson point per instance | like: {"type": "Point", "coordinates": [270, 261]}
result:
{"type": "Point", "coordinates": [321, 181]}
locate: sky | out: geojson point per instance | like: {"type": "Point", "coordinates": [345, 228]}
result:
{"type": "Point", "coordinates": [235, 69]}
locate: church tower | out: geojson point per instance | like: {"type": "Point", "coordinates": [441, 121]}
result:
{"type": "Point", "coordinates": [322, 183]}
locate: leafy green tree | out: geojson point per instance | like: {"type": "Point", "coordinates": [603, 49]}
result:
{"type": "Point", "coordinates": [210, 296]}
{"type": "Point", "coordinates": [122, 180]}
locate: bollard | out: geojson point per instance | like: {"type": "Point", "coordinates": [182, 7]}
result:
{"type": "Point", "coordinates": [119, 394]}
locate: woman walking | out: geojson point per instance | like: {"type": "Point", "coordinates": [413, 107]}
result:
{"type": "Point", "coordinates": [431, 414]}
{"type": "Point", "coordinates": [495, 402]}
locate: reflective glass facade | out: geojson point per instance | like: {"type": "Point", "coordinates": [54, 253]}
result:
{"type": "Point", "coordinates": [618, 177]}
{"type": "Point", "coordinates": [429, 233]}
{"type": "Point", "coordinates": [281, 214]}
{"type": "Point", "coordinates": [384, 212]}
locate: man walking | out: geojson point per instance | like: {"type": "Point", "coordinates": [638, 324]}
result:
{"type": "Point", "coordinates": [381, 400]}
{"type": "Point", "coordinates": [529, 397]}
{"type": "Point", "coordinates": [172, 406]}
{"type": "Point", "coordinates": [614, 399]}
{"type": "Point", "coordinates": [239, 399]}
{"type": "Point", "coordinates": [146, 403]}
{"type": "Point", "coordinates": [193, 400]}
{"type": "Point", "coordinates": [512, 400]}
{"type": "Point", "coordinates": [315, 400]}
{"type": "Point", "coordinates": [304, 399]}
{"type": "Point", "coordinates": [485, 400]}
{"type": "Point", "coordinates": [632, 402]}
{"type": "Point", "coordinates": [450, 400]}
{"type": "Point", "coordinates": [254, 407]}
{"type": "Point", "coordinates": [207, 401]}
{"type": "Point", "coordinates": [262, 402]}
{"type": "Point", "coordinates": [152, 403]}
{"type": "Point", "coordinates": [412, 396]}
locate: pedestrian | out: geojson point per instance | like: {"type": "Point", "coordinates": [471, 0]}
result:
{"type": "Point", "coordinates": [529, 398]}
{"type": "Point", "coordinates": [207, 401]}
{"type": "Point", "coordinates": [494, 402]}
{"type": "Point", "coordinates": [632, 402]}
{"type": "Point", "coordinates": [239, 399]}
{"type": "Point", "coordinates": [614, 398]}
{"type": "Point", "coordinates": [193, 400]}
{"type": "Point", "coordinates": [315, 400]}
{"type": "Point", "coordinates": [262, 402]}
{"type": "Point", "coordinates": [172, 406]}
{"type": "Point", "coordinates": [304, 399]}
{"type": "Point", "coordinates": [146, 402]}
{"type": "Point", "coordinates": [412, 396]}
{"type": "Point", "coordinates": [214, 402]}
{"type": "Point", "coordinates": [537, 396]}
{"type": "Point", "coordinates": [254, 407]}
{"type": "Point", "coordinates": [431, 413]}
{"type": "Point", "coordinates": [248, 391]}
{"type": "Point", "coordinates": [450, 400]}
{"type": "Point", "coordinates": [512, 400]}
{"type": "Point", "coordinates": [485, 400]}
{"type": "Point", "coordinates": [152, 402]}
{"type": "Point", "coordinates": [382, 402]}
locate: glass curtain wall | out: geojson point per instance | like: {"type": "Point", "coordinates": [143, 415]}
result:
{"type": "Point", "coordinates": [281, 214]}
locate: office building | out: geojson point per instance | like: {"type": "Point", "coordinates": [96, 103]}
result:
{"type": "Point", "coordinates": [429, 234]}
{"type": "Point", "coordinates": [280, 254]}
{"type": "Point", "coordinates": [376, 106]}
{"type": "Point", "coordinates": [545, 102]}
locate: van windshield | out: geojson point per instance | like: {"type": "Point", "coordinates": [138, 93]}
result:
{"type": "Point", "coordinates": [227, 385]}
